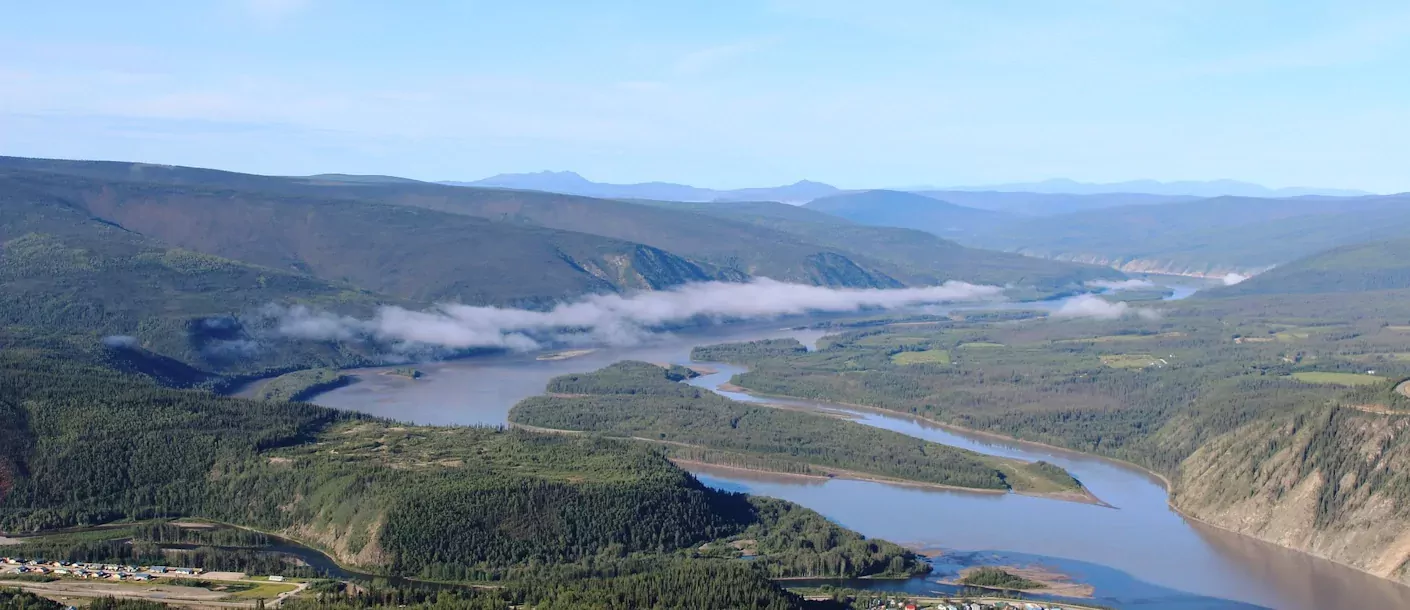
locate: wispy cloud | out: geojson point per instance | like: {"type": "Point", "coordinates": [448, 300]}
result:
{"type": "Point", "coordinates": [606, 319]}
{"type": "Point", "coordinates": [273, 11]}
{"type": "Point", "coordinates": [1089, 306]}
{"type": "Point", "coordinates": [705, 59]}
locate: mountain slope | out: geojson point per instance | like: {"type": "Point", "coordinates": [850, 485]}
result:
{"type": "Point", "coordinates": [65, 272]}
{"type": "Point", "coordinates": [908, 210]}
{"type": "Point", "coordinates": [1327, 481]}
{"type": "Point", "coordinates": [728, 244]}
{"type": "Point", "coordinates": [1381, 265]}
{"type": "Point", "coordinates": [1048, 204]}
{"type": "Point", "coordinates": [514, 246]}
{"type": "Point", "coordinates": [1208, 235]}
{"type": "Point", "coordinates": [920, 256]}
{"type": "Point", "coordinates": [769, 239]}
{"type": "Point", "coordinates": [88, 446]}
{"type": "Point", "coordinates": [1195, 188]}
{"type": "Point", "coordinates": [409, 253]}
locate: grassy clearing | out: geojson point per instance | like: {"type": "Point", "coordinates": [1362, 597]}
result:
{"type": "Point", "coordinates": [1380, 357]}
{"type": "Point", "coordinates": [981, 345]}
{"type": "Point", "coordinates": [1342, 379]}
{"type": "Point", "coordinates": [1130, 361]}
{"type": "Point", "coordinates": [930, 356]}
{"type": "Point", "coordinates": [1300, 333]}
{"type": "Point", "coordinates": [264, 590]}
{"type": "Point", "coordinates": [1121, 338]}
{"type": "Point", "coordinates": [889, 340]}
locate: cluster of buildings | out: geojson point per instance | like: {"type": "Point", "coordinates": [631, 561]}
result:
{"type": "Point", "coordinates": [96, 571]}
{"type": "Point", "coordinates": [898, 604]}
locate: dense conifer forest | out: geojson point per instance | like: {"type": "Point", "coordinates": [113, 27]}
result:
{"type": "Point", "coordinates": [646, 401]}
{"type": "Point", "coordinates": [611, 523]}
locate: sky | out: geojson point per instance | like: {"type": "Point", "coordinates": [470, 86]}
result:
{"type": "Point", "coordinates": [722, 93]}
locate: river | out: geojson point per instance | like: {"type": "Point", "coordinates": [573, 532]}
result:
{"type": "Point", "coordinates": [1138, 554]}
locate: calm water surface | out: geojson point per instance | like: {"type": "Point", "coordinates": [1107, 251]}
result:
{"type": "Point", "coordinates": [1137, 553]}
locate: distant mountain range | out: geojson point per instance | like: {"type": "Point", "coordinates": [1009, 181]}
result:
{"type": "Point", "coordinates": [570, 183]}
{"type": "Point", "coordinates": [1195, 188]}
{"type": "Point", "coordinates": [803, 191]}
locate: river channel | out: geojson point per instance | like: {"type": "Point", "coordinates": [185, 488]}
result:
{"type": "Point", "coordinates": [1138, 553]}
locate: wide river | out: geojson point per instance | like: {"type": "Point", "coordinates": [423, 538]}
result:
{"type": "Point", "coordinates": [1139, 554]}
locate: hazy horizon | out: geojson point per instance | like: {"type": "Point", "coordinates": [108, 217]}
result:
{"type": "Point", "coordinates": [724, 95]}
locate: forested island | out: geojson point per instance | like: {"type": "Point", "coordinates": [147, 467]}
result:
{"type": "Point", "coordinates": [302, 385]}
{"type": "Point", "coordinates": [646, 401]}
{"type": "Point", "coordinates": [1196, 395]}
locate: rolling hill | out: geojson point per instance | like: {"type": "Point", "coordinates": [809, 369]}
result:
{"type": "Point", "coordinates": [63, 272]}
{"type": "Point", "coordinates": [551, 243]}
{"type": "Point", "coordinates": [1047, 204]}
{"type": "Point", "coordinates": [409, 253]}
{"type": "Point", "coordinates": [1192, 188]}
{"type": "Point", "coordinates": [909, 210]}
{"type": "Point", "coordinates": [919, 256]}
{"type": "Point", "coordinates": [1211, 236]}
{"type": "Point", "coordinates": [1380, 265]}
{"type": "Point", "coordinates": [790, 245]}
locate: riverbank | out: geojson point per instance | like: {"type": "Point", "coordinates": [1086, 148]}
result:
{"type": "Point", "coordinates": [828, 472]}
{"type": "Point", "coordinates": [1164, 482]}
{"type": "Point", "coordinates": [737, 389]}
{"type": "Point", "coordinates": [1053, 583]}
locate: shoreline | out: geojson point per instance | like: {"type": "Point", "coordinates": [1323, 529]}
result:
{"type": "Point", "coordinates": [837, 473]}
{"type": "Point", "coordinates": [1056, 584]}
{"type": "Point", "coordinates": [961, 429]}
{"type": "Point", "coordinates": [1085, 497]}
{"type": "Point", "coordinates": [1165, 482]}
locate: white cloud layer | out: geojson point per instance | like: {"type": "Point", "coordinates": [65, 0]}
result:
{"type": "Point", "coordinates": [606, 319]}
{"type": "Point", "coordinates": [1091, 306]}
{"type": "Point", "coordinates": [1234, 278]}
{"type": "Point", "coordinates": [1118, 286]}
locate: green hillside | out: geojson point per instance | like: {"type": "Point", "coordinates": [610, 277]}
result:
{"type": "Point", "coordinates": [911, 211]}
{"type": "Point", "coordinates": [1048, 204]}
{"type": "Point", "coordinates": [1381, 265]}
{"type": "Point", "coordinates": [63, 272]}
{"type": "Point", "coordinates": [85, 445]}
{"type": "Point", "coordinates": [787, 247]}
{"type": "Point", "coordinates": [1222, 233]}
{"type": "Point", "coordinates": [408, 253]}
{"type": "Point", "coordinates": [742, 248]}
{"type": "Point", "coordinates": [644, 401]}
{"type": "Point", "coordinates": [913, 255]}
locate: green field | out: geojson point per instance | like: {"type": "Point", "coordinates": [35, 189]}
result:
{"type": "Point", "coordinates": [1304, 332]}
{"type": "Point", "coordinates": [930, 356]}
{"type": "Point", "coordinates": [980, 344]}
{"type": "Point", "coordinates": [1121, 338]}
{"type": "Point", "coordinates": [1345, 379]}
{"type": "Point", "coordinates": [264, 590]}
{"type": "Point", "coordinates": [1130, 361]}
{"type": "Point", "coordinates": [889, 340]}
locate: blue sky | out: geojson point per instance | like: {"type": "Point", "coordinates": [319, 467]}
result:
{"type": "Point", "coordinates": [723, 93]}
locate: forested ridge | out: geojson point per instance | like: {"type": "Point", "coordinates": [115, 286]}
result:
{"type": "Point", "coordinates": [641, 400]}
{"type": "Point", "coordinates": [551, 515]}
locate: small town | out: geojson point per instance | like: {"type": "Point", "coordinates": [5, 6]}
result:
{"type": "Point", "coordinates": [962, 604]}
{"type": "Point", "coordinates": [96, 571]}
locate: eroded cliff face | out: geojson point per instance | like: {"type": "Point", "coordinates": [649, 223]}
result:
{"type": "Point", "coordinates": [1332, 482]}
{"type": "Point", "coordinates": [1153, 265]}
